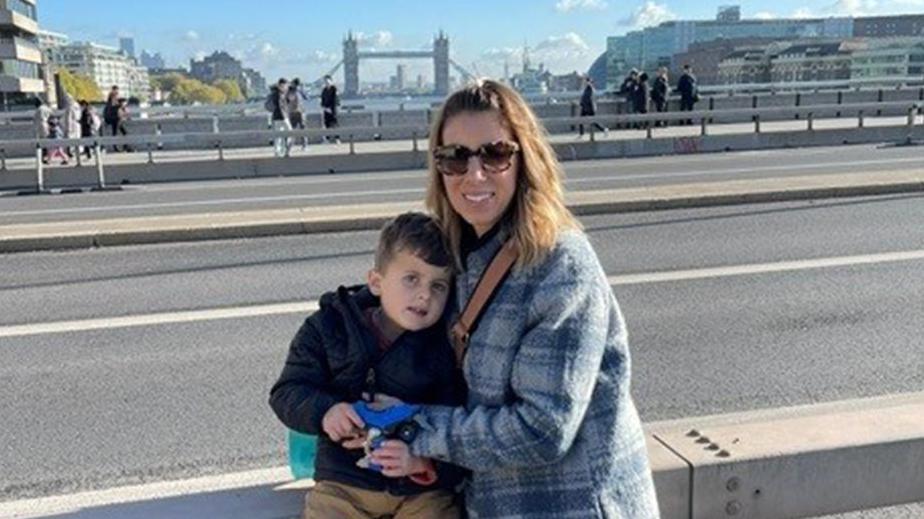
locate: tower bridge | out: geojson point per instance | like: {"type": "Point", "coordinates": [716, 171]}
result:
{"type": "Point", "coordinates": [439, 54]}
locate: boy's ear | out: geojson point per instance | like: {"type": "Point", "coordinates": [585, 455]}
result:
{"type": "Point", "coordinates": [374, 279]}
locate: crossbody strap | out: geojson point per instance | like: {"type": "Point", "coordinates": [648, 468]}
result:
{"type": "Point", "coordinates": [493, 275]}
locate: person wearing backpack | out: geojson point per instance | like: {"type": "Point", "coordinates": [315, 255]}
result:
{"type": "Point", "coordinates": [277, 104]}
{"type": "Point", "coordinates": [111, 112]}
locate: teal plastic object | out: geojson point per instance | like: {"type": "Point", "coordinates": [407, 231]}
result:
{"type": "Point", "coordinates": [302, 449]}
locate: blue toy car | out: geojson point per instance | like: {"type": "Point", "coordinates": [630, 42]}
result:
{"type": "Point", "coordinates": [395, 422]}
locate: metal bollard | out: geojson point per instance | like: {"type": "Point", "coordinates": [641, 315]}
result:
{"type": "Point", "coordinates": [150, 154]}
{"type": "Point", "coordinates": [352, 148]}
{"type": "Point", "coordinates": [860, 119]}
{"type": "Point", "coordinates": [100, 175]}
{"type": "Point", "coordinates": [3, 158]}
{"type": "Point", "coordinates": [221, 151]}
{"type": "Point", "coordinates": [811, 122]}
{"type": "Point", "coordinates": [39, 170]}
{"type": "Point", "coordinates": [648, 131]}
{"type": "Point", "coordinates": [414, 138]}
{"type": "Point", "coordinates": [592, 136]}
{"type": "Point", "coordinates": [757, 124]}
{"type": "Point", "coordinates": [702, 128]}
{"type": "Point", "coordinates": [910, 118]}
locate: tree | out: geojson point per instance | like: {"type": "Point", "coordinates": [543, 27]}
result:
{"type": "Point", "coordinates": [193, 91]}
{"type": "Point", "coordinates": [80, 87]}
{"type": "Point", "coordinates": [231, 89]}
{"type": "Point", "coordinates": [167, 82]}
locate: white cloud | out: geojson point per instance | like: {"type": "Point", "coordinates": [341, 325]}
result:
{"type": "Point", "coordinates": [803, 12]}
{"type": "Point", "coordinates": [267, 50]}
{"type": "Point", "coordinates": [191, 35]}
{"type": "Point", "coordinates": [565, 6]}
{"type": "Point", "coordinates": [559, 54]}
{"type": "Point", "coordinates": [647, 15]}
{"type": "Point", "coordinates": [765, 15]}
{"type": "Point", "coordinates": [853, 7]}
{"type": "Point", "coordinates": [376, 39]}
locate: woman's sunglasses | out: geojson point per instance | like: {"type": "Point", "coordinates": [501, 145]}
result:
{"type": "Point", "coordinates": [452, 160]}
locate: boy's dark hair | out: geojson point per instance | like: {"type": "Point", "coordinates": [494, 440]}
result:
{"type": "Point", "coordinates": [416, 233]}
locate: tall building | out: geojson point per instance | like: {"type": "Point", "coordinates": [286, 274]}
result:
{"type": "Point", "coordinates": [20, 56]}
{"type": "Point", "coordinates": [221, 65]}
{"type": "Point", "coordinates": [889, 58]}
{"type": "Point", "coordinates": [127, 45]}
{"type": "Point", "coordinates": [106, 65]}
{"type": "Point", "coordinates": [400, 73]}
{"type": "Point", "coordinates": [152, 61]}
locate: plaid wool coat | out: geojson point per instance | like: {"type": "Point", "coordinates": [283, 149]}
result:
{"type": "Point", "coordinates": [549, 430]}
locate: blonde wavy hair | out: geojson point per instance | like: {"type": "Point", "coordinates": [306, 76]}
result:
{"type": "Point", "coordinates": [537, 213]}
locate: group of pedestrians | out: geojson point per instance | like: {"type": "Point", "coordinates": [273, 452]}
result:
{"type": "Point", "coordinates": [641, 96]}
{"type": "Point", "coordinates": [287, 104]}
{"type": "Point", "coordinates": [77, 120]}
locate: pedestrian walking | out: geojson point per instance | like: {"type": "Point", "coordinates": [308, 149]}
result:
{"type": "Point", "coordinates": [122, 117]}
{"type": "Point", "coordinates": [111, 113]}
{"type": "Point", "coordinates": [642, 98]}
{"type": "Point", "coordinates": [589, 107]}
{"type": "Point", "coordinates": [295, 98]}
{"type": "Point", "coordinates": [89, 124]}
{"type": "Point", "coordinates": [277, 104]}
{"type": "Point", "coordinates": [40, 123]}
{"type": "Point", "coordinates": [330, 101]}
{"type": "Point", "coordinates": [689, 93]}
{"type": "Point", "coordinates": [659, 93]}
{"type": "Point", "coordinates": [71, 122]}
{"type": "Point", "coordinates": [627, 91]}
{"type": "Point", "coordinates": [56, 132]}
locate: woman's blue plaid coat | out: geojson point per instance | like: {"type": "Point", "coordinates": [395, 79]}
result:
{"type": "Point", "coordinates": [550, 430]}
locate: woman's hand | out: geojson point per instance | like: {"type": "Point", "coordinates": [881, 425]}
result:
{"type": "Point", "coordinates": [396, 460]}
{"type": "Point", "coordinates": [341, 422]}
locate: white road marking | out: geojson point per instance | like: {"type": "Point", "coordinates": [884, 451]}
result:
{"type": "Point", "coordinates": [764, 268]}
{"type": "Point", "coordinates": [23, 330]}
{"type": "Point", "coordinates": [189, 316]}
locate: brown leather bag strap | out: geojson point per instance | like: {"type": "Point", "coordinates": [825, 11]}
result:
{"type": "Point", "coordinates": [490, 279]}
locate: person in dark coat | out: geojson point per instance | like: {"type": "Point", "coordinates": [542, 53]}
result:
{"type": "Point", "coordinates": [589, 106]}
{"type": "Point", "coordinates": [660, 91]}
{"type": "Point", "coordinates": [330, 101]}
{"type": "Point", "coordinates": [642, 97]}
{"type": "Point", "coordinates": [688, 90]}
{"type": "Point", "coordinates": [387, 338]}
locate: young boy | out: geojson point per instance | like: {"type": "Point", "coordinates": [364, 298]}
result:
{"type": "Point", "coordinates": [389, 338]}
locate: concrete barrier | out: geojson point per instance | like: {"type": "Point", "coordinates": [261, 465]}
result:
{"type": "Point", "coordinates": [198, 169]}
{"type": "Point", "coordinates": [766, 464]}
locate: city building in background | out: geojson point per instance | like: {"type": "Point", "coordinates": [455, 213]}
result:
{"type": "Point", "coordinates": [127, 46]}
{"type": "Point", "coordinates": [221, 65]}
{"type": "Point", "coordinates": [706, 43]}
{"type": "Point", "coordinates": [106, 65]}
{"type": "Point", "coordinates": [888, 58]}
{"type": "Point", "coordinates": [20, 57]}
{"type": "Point", "coordinates": [152, 61]}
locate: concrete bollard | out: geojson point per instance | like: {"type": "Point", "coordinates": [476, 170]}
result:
{"type": "Point", "coordinates": [39, 169]}
{"type": "Point", "coordinates": [100, 174]}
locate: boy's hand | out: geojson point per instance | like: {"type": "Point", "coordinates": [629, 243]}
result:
{"type": "Point", "coordinates": [396, 459]}
{"type": "Point", "coordinates": [341, 422]}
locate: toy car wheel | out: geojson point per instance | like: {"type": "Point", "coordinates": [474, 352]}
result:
{"type": "Point", "coordinates": [407, 432]}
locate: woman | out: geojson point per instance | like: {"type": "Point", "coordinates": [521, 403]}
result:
{"type": "Point", "coordinates": [550, 429]}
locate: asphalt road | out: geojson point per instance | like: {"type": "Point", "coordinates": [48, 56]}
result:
{"type": "Point", "coordinates": [358, 188]}
{"type": "Point", "coordinates": [821, 308]}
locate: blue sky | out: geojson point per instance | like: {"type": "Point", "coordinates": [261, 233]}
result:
{"type": "Point", "coordinates": [302, 38]}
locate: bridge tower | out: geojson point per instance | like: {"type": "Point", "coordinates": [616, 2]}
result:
{"type": "Point", "coordinates": [350, 66]}
{"type": "Point", "coordinates": [441, 64]}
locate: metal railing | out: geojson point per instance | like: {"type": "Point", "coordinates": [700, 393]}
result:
{"type": "Point", "coordinates": [648, 122]}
